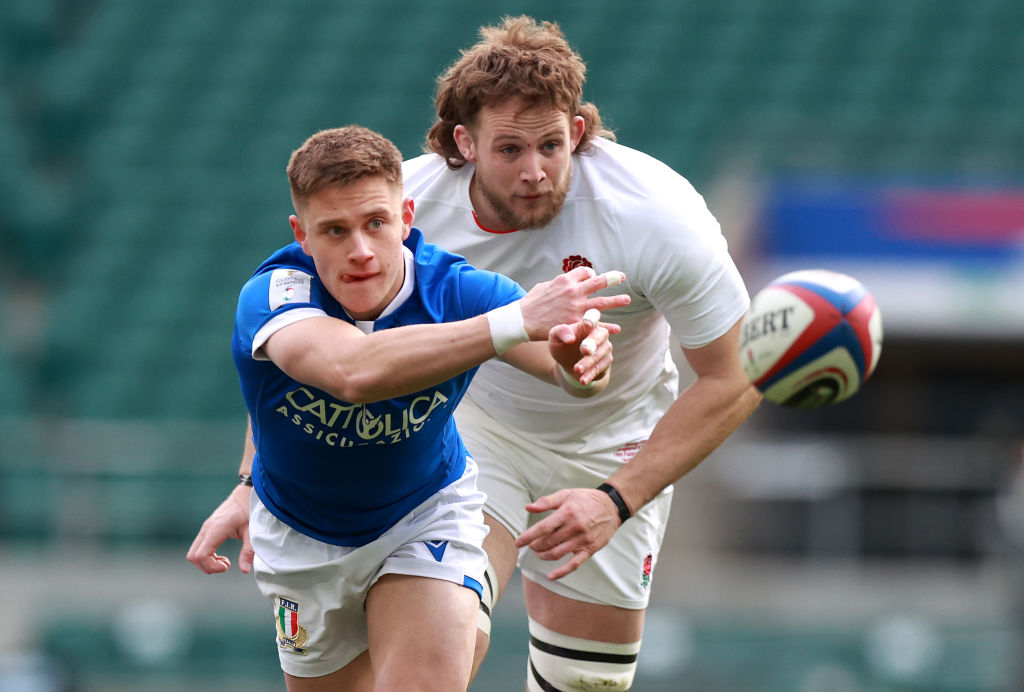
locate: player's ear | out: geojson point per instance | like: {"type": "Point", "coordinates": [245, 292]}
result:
{"type": "Point", "coordinates": [408, 214]}
{"type": "Point", "coordinates": [464, 141]}
{"type": "Point", "coordinates": [577, 126]}
{"type": "Point", "coordinates": [300, 233]}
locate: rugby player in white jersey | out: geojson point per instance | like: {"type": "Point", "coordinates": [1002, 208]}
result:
{"type": "Point", "coordinates": [524, 179]}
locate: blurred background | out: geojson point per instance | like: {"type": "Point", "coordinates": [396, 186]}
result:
{"type": "Point", "coordinates": [871, 547]}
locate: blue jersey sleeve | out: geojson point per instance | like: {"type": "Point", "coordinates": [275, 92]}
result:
{"type": "Point", "coordinates": [481, 291]}
{"type": "Point", "coordinates": [451, 289]}
{"type": "Point", "coordinates": [268, 295]}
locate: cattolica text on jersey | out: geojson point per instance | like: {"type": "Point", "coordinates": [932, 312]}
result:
{"type": "Point", "coordinates": [331, 419]}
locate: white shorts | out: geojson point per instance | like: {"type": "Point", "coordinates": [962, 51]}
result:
{"type": "Point", "coordinates": [514, 472]}
{"type": "Point", "coordinates": [317, 590]}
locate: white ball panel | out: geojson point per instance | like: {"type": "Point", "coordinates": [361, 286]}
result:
{"type": "Point", "coordinates": [836, 366]}
{"type": "Point", "coordinates": [776, 319]}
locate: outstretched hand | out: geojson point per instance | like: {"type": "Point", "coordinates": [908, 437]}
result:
{"type": "Point", "coordinates": [229, 520]}
{"type": "Point", "coordinates": [564, 299]}
{"type": "Point", "coordinates": [583, 521]}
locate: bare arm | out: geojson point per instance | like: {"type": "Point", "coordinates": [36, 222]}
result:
{"type": "Point", "coordinates": [338, 358]}
{"type": "Point", "coordinates": [703, 416]}
{"type": "Point", "coordinates": [335, 356]}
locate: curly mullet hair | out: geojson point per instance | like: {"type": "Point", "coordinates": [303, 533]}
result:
{"type": "Point", "coordinates": [518, 59]}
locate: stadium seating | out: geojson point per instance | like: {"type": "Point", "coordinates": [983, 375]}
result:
{"type": "Point", "coordinates": [144, 146]}
{"type": "Point", "coordinates": [173, 121]}
{"type": "Point", "coordinates": [148, 142]}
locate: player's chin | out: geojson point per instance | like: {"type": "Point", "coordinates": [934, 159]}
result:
{"type": "Point", "coordinates": [537, 215]}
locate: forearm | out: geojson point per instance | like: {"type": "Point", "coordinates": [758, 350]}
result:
{"type": "Point", "coordinates": [703, 416]}
{"type": "Point", "coordinates": [393, 362]}
{"type": "Point", "coordinates": [535, 359]}
{"type": "Point", "coordinates": [248, 452]}
{"type": "Point", "coordinates": [361, 368]}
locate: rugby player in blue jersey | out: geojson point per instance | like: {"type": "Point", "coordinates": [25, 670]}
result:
{"type": "Point", "coordinates": [353, 345]}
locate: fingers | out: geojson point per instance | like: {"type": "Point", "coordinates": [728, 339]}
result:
{"type": "Point", "coordinates": [596, 351]}
{"type": "Point", "coordinates": [582, 273]}
{"type": "Point", "coordinates": [563, 334]}
{"type": "Point", "coordinates": [246, 554]}
{"type": "Point", "coordinates": [606, 280]}
{"type": "Point", "coordinates": [580, 524]}
{"type": "Point", "coordinates": [571, 565]}
{"type": "Point", "coordinates": [229, 520]}
{"type": "Point", "coordinates": [203, 555]}
{"type": "Point", "coordinates": [590, 367]}
{"type": "Point", "coordinates": [591, 282]}
{"type": "Point", "coordinates": [590, 319]}
{"type": "Point", "coordinates": [562, 542]}
{"type": "Point", "coordinates": [608, 302]}
{"type": "Point", "coordinates": [591, 370]}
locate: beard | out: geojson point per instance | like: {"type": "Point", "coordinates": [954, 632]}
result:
{"type": "Point", "coordinates": [538, 218]}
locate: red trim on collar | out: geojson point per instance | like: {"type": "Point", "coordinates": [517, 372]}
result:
{"type": "Point", "coordinates": [484, 228]}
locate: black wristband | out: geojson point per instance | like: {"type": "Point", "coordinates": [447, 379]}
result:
{"type": "Point", "coordinates": [620, 504]}
{"type": "Point", "coordinates": [245, 479]}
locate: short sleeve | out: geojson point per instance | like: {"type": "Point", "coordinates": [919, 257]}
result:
{"type": "Point", "coordinates": [481, 291]}
{"type": "Point", "coordinates": [270, 301]}
{"type": "Point", "coordinates": [684, 269]}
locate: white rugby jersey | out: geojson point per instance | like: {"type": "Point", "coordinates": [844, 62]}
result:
{"type": "Point", "coordinates": [624, 210]}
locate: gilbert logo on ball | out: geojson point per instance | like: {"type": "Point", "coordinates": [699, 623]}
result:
{"type": "Point", "coordinates": [811, 338]}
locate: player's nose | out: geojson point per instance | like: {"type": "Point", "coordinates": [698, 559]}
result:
{"type": "Point", "coordinates": [359, 249]}
{"type": "Point", "coordinates": [532, 168]}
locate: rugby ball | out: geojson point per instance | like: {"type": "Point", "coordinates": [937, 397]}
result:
{"type": "Point", "coordinates": [811, 338]}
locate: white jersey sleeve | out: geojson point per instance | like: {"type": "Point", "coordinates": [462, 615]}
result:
{"type": "Point", "coordinates": [677, 259]}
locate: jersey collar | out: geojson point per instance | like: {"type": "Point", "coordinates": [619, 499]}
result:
{"type": "Point", "coordinates": [403, 294]}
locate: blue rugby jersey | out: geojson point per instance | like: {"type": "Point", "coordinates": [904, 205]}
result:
{"type": "Point", "coordinates": [340, 472]}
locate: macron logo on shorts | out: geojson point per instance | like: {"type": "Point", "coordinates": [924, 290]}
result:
{"type": "Point", "coordinates": [436, 548]}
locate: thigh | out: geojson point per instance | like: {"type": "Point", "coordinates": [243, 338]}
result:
{"type": "Point", "coordinates": [500, 546]}
{"type": "Point", "coordinates": [421, 632]}
{"type": "Point", "coordinates": [315, 592]}
{"type": "Point", "coordinates": [357, 676]}
{"type": "Point", "coordinates": [581, 619]}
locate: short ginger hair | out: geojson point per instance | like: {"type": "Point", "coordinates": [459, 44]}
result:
{"type": "Point", "coordinates": [518, 59]}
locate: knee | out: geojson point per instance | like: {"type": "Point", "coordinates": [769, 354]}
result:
{"type": "Point", "coordinates": [561, 662]}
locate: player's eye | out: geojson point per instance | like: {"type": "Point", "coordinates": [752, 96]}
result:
{"type": "Point", "coordinates": [552, 145]}
{"type": "Point", "coordinates": [335, 231]}
{"type": "Point", "coordinates": [509, 149]}
{"type": "Point", "coordinates": [377, 224]}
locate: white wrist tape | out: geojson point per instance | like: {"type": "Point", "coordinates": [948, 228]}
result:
{"type": "Point", "coordinates": [571, 380]}
{"type": "Point", "coordinates": [507, 327]}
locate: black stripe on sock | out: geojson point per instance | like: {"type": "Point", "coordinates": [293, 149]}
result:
{"type": "Point", "coordinates": [544, 684]}
{"type": "Point", "coordinates": [487, 578]}
{"type": "Point", "coordinates": [577, 655]}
